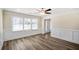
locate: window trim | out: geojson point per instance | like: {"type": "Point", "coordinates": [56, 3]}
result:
{"type": "Point", "coordinates": [23, 23]}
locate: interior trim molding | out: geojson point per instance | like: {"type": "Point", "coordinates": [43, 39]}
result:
{"type": "Point", "coordinates": [66, 34]}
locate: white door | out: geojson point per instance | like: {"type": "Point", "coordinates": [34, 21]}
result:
{"type": "Point", "coordinates": [47, 25]}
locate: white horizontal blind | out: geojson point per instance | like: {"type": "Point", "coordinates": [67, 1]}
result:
{"type": "Point", "coordinates": [27, 23]}
{"type": "Point", "coordinates": [17, 23]}
{"type": "Point", "coordinates": [34, 24]}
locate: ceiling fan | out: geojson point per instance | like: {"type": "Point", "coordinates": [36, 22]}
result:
{"type": "Point", "coordinates": [44, 10]}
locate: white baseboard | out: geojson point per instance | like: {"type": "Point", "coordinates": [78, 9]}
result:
{"type": "Point", "coordinates": [63, 39]}
{"type": "Point", "coordinates": [66, 34]}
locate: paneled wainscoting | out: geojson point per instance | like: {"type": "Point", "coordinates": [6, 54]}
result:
{"type": "Point", "coordinates": [39, 42]}
{"type": "Point", "coordinates": [66, 34]}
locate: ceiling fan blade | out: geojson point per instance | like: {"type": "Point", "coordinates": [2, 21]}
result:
{"type": "Point", "coordinates": [46, 12]}
{"type": "Point", "coordinates": [48, 9]}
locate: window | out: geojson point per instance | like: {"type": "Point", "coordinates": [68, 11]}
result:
{"type": "Point", "coordinates": [17, 24]}
{"type": "Point", "coordinates": [34, 24]}
{"type": "Point", "coordinates": [27, 23]}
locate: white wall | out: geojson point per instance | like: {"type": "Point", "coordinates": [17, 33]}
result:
{"type": "Point", "coordinates": [9, 34]}
{"type": "Point", "coordinates": [65, 25]}
{"type": "Point", "coordinates": [1, 28]}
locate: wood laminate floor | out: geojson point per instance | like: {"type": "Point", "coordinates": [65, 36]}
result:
{"type": "Point", "coordinates": [39, 42]}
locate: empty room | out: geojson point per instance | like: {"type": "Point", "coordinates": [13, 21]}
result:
{"type": "Point", "coordinates": [39, 29]}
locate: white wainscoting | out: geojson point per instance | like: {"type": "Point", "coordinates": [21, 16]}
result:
{"type": "Point", "coordinates": [66, 34]}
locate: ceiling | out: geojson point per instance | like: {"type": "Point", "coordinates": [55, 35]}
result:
{"type": "Point", "coordinates": [30, 11]}
{"type": "Point", "coordinates": [33, 11]}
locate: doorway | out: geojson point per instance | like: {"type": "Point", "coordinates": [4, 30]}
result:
{"type": "Point", "coordinates": [47, 25]}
